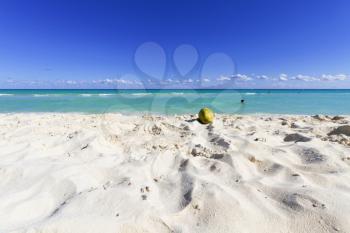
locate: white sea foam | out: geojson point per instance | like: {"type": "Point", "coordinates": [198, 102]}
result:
{"type": "Point", "coordinates": [40, 95]}
{"type": "Point", "coordinates": [250, 93]}
{"type": "Point", "coordinates": [106, 94]}
{"type": "Point", "coordinates": [141, 94]}
{"type": "Point", "coordinates": [6, 94]}
{"type": "Point", "coordinates": [102, 94]}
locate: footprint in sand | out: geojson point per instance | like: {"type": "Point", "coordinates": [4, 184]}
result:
{"type": "Point", "coordinates": [310, 155]}
{"type": "Point", "coordinates": [174, 189]}
{"type": "Point", "coordinates": [266, 167]}
{"type": "Point", "coordinates": [299, 202]}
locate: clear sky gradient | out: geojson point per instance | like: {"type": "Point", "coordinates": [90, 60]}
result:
{"type": "Point", "coordinates": [98, 44]}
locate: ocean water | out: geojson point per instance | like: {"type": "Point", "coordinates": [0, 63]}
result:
{"type": "Point", "coordinates": [305, 102]}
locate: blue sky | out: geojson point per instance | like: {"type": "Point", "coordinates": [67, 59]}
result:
{"type": "Point", "coordinates": [132, 44]}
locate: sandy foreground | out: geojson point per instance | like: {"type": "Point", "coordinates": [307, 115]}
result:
{"type": "Point", "coordinates": [115, 173]}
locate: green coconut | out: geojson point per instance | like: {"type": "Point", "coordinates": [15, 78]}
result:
{"type": "Point", "coordinates": [206, 116]}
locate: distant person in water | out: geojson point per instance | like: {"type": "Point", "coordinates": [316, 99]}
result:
{"type": "Point", "coordinates": [242, 101]}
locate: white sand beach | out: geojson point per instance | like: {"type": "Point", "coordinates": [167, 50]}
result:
{"type": "Point", "coordinates": [72, 173]}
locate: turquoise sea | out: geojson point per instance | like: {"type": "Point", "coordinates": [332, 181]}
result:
{"type": "Point", "coordinates": [177, 101]}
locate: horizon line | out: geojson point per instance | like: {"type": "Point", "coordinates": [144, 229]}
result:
{"type": "Point", "coordinates": [171, 89]}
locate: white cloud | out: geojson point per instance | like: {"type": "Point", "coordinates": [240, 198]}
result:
{"type": "Point", "coordinates": [130, 81]}
{"type": "Point", "coordinates": [304, 78]}
{"type": "Point", "coordinates": [323, 77]}
{"type": "Point", "coordinates": [117, 81]}
{"type": "Point", "coordinates": [237, 77]}
{"type": "Point", "coordinates": [71, 82]}
{"type": "Point", "coordinates": [223, 78]}
{"type": "Point", "coordinates": [102, 81]}
{"type": "Point", "coordinates": [137, 82]}
{"type": "Point", "coordinates": [338, 77]}
{"type": "Point", "coordinates": [123, 81]}
{"type": "Point", "coordinates": [107, 80]}
{"type": "Point", "coordinates": [241, 77]}
{"type": "Point", "coordinates": [262, 77]}
{"type": "Point", "coordinates": [283, 77]}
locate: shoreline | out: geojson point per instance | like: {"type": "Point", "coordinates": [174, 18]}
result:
{"type": "Point", "coordinates": [140, 114]}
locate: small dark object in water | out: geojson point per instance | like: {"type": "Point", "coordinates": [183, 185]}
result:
{"type": "Point", "coordinates": [242, 101]}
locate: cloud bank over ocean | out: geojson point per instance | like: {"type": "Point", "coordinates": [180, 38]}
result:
{"type": "Point", "coordinates": [224, 81]}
